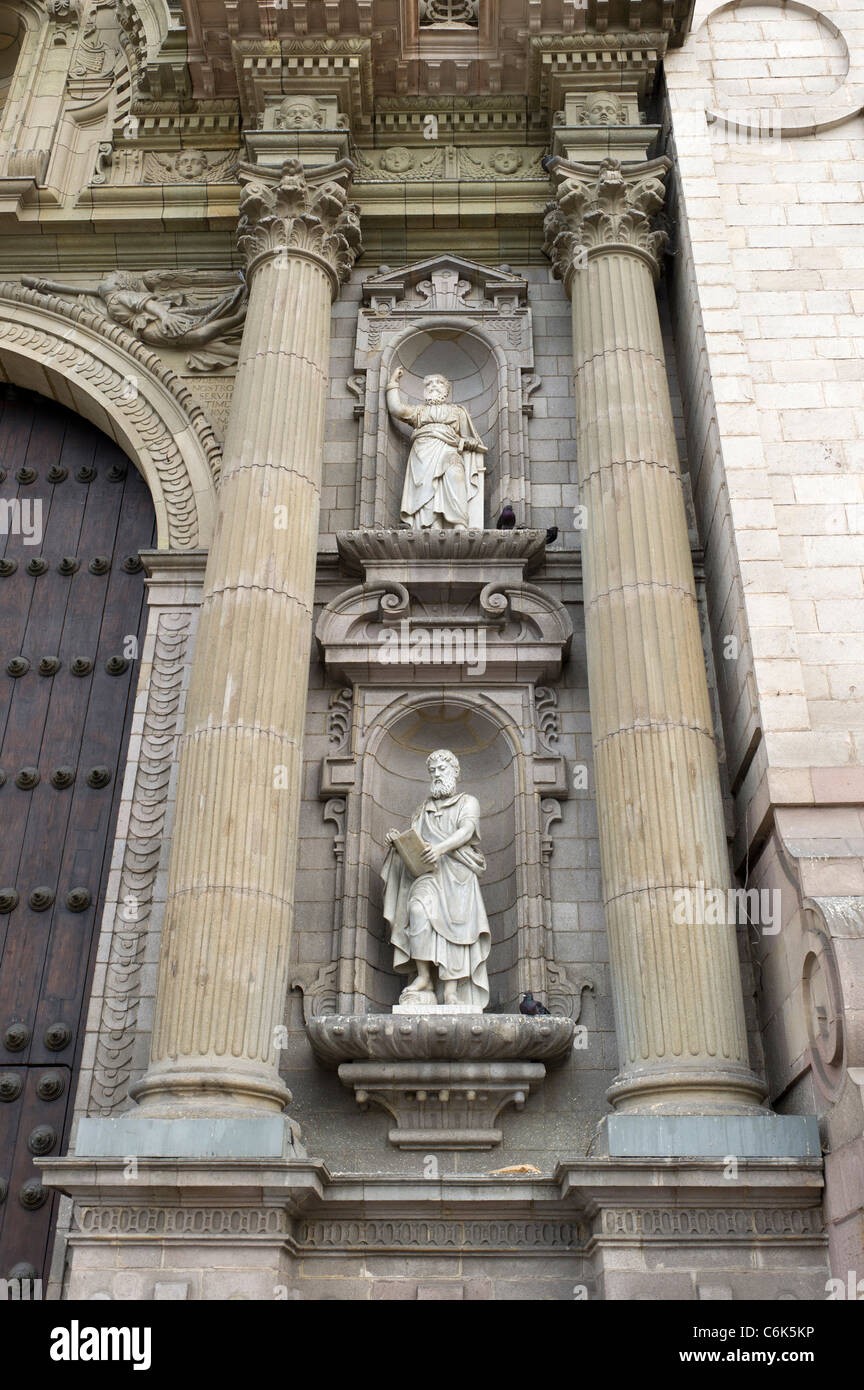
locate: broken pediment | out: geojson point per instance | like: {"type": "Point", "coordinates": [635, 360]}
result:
{"type": "Point", "coordinates": [445, 283]}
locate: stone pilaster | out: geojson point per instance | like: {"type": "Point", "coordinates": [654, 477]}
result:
{"type": "Point", "coordinates": [228, 919]}
{"type": "Point", "coordinates": [677, 987]}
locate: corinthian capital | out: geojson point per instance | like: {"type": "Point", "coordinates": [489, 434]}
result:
{"type": "Point", "coordinates": [294, 216]}
{"type": "Point", "coordinates": [600, 207]}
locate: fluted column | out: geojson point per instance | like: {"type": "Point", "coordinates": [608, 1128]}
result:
{"type": "Point", "coordinates": [677, 988]}
{"type": "Point", "coordinates": [224, 959]}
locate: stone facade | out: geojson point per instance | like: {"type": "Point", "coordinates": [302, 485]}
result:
{"type": "Point", "coordinates": [635, 251]}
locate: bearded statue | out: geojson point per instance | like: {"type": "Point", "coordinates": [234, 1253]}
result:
{"type": "Point", "coordinates": [444, 477]}
{"type": "Point", "coordinates": [438, 924]}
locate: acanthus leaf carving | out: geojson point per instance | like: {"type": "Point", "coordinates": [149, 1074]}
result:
{"type": "Point", "coordinates": [603, 206]}
{"type": "Point", "coordinates": [299, 216]}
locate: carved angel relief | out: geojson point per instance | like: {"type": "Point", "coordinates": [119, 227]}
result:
{"type": "Point", "coordinates": [169, 309]}
{"type": "Point", "coordinates": [190, 166]}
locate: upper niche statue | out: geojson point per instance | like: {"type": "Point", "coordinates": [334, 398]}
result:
{"type": "Point", "coordinates": [444, 477]}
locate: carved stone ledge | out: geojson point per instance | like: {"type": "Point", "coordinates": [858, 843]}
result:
{"type": "Point", "coordinates": [445, 1078]}
{"type": "Point", "coordinates": [336, 1038]}
{"type": "Point", "coordinates": [442, 1105]}
{"type": "Point", "coordinates": [362, 552]}
{"type": "Point", "coordinates": [389, 625]}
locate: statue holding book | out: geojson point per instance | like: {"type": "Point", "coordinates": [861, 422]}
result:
{"type": "Point", "coordinates": [432, 899]}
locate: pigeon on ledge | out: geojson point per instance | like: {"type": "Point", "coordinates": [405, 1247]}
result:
{"type": "Point", "coordinates": [532, 1007]}
{"type": "Point", "coordinates": [507, 519]}
{"type": "Point", "coordinates": [551, 535]}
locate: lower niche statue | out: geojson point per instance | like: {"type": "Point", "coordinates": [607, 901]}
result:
{"type": "Point", "coordinates": [444, 476]}
{"type": "Point", "coordinates": [432, 898]}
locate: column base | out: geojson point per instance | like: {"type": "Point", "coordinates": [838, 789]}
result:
{"type": "Point", "coordinates": [137, 1135]}
{"type": "Point", "coordinates": [180, 1088]}
{"type": "Point", "coordinates": [708, 1136]}
{"type": "Point", "coordinates": [666, 1089]}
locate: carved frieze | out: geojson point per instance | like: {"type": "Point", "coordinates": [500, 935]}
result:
{"type": "Point", "coordinates": [199, 310]}
{"type": "Point", "coordinates": [141, 856]}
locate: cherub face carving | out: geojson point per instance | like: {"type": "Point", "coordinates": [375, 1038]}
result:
{"type": "Point", "coordinates": [507, 161]}
{"type": "Point", "coordinates": [300, 113]}
{"type": "Point", "coordinates": [397, 160]}
{"type": "Point", "coordinates": [190, 165]}
{"type": "Point", "coordinates": [603, 108]}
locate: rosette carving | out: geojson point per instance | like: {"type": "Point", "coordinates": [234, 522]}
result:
{"type": "Point", "coordinates": [603, 206]}
{"type": "Point", "coordinates": [296, 216]}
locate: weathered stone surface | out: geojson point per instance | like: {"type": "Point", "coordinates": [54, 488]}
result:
{"type": "Point", "coordinates": [336, 1038]}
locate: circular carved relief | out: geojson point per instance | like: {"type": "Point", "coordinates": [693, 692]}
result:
{"type": "Point", "coordinates": [42, 1139]}
{"type": "Point", "coordinates": [775, 98]}
{"type": "Point", "coordinates": [823, 1011]}
{"type": "Point", "coordinates": [50, 1085]}
{"type": "Point", "coordinates": [33, 1195]}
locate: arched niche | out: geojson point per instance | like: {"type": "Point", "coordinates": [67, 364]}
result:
{"type": "Point", "coordinates": [470, 322]}
{"type": "Point", "coordinates": [376, 781]}
{"type": "Point", "coordinates": [474, 367]}
{"type": "Point", "coordinates": [395, 782]}
{"type": "Point", "coordinates": [11, 35]}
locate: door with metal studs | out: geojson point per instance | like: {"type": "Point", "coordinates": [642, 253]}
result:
{"type": "Point", "coordinates": [74, 514]}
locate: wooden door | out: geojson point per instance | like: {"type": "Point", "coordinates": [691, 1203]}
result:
{"type": "Point", "coordinates": [74, 513]}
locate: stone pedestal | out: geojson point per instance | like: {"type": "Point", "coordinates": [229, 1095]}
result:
{"type": "Point", "coordinates": [445, 1074]}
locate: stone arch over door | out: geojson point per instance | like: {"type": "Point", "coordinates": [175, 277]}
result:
{"type": "Point", "coordinates": [100, 371]}
{"type": "Point", "coordinates": [72, 623]}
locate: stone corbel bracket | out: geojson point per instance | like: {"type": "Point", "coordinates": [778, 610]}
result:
{"type": "Point", "coordinates": [416, 620]}
{"type": "Point", "coordinates": [442, 1105]}
{"type": "Point", "coordinates": [444, 1078]}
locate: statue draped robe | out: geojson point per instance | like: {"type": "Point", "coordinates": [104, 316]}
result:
{"type": "Point", "coordinates": [443, 474]}
{"type": "Point", "coordinates": [455, 932]}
